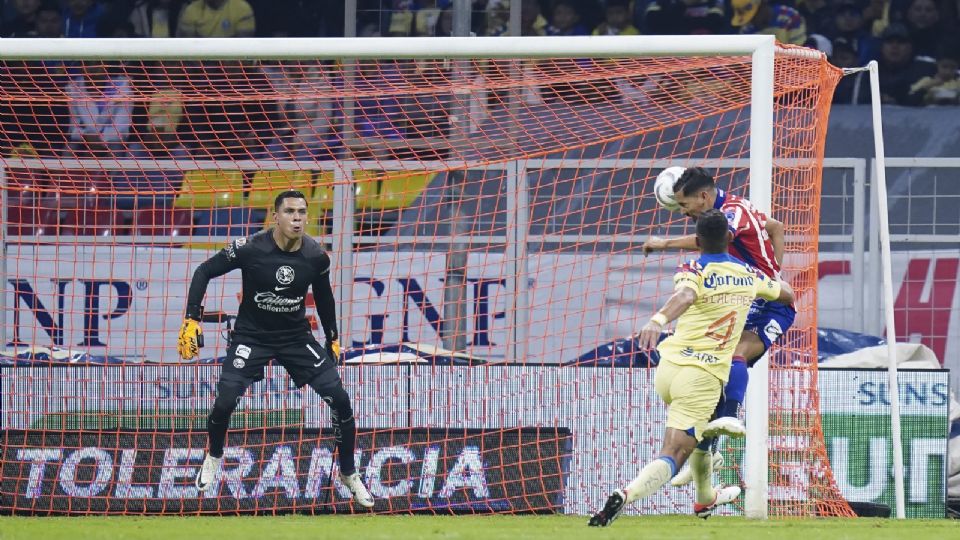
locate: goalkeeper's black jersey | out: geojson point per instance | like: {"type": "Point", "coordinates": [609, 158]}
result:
{"type": "Point", "coordinates": [275, 283]}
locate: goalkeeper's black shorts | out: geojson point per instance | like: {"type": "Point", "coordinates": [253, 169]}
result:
{"type": "Point", "coordinates": [304, 361]}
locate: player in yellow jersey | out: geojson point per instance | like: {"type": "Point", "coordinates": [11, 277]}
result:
{"type": "Point", "coordinates": [711, 299]}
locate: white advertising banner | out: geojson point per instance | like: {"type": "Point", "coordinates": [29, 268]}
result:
{"type": "Point", "coordinates": [926, 292]}
{"type": "Point", "coordinates": [128, 302]}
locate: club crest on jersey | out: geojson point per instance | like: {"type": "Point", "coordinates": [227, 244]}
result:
{"type": "Point", "coordinates": [239, 363]}
{"type": "Point", "coordinates": [733, 218]}
{"type": "Point", "coordinates": [285, 275]}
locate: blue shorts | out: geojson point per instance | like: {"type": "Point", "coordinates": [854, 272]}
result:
{"type": "Point", "coordinates": [769, 320]}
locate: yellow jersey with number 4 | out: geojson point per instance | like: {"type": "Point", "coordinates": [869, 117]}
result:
{"type": "Point", "coordinates": [709, 330]}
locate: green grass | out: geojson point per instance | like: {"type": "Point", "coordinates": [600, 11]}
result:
{"type": "Point", "coordinates": [467, 527]}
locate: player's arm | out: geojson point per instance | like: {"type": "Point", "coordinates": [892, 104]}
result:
{"type": "Point", "coordinates": [655, 243]}
{"type": "Point", "coordinates": [775, 289]}
{"type": "Point", "coordinates": [786, 293]}
{"type": "Point", "coordinates": [682, 299]}
{"type": "Point", "coordinates": [775, 231]}
{"type": "Point", "coordinates": [326, 306]}
{"type": "Point", "coordinates": [191, 335]}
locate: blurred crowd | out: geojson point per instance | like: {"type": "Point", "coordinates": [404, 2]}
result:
{"type": "Point", "coordinates": [317, 110]}
{"type": "Point", "coordinates": [916, 42]}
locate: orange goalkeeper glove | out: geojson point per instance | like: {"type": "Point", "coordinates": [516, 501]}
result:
{"type": "Point", "coordinates": [190, 340]}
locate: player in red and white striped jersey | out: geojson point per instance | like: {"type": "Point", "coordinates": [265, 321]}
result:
{"type": "Point", "coordinates": [758, 240]}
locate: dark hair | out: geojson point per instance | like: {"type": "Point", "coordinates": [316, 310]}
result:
{"type": "Point", "coordinates": [288, 194]}
{"type": "Point", "coordinates": [693, 180]}
{"type": "Point", "coordinates": [712, 231]}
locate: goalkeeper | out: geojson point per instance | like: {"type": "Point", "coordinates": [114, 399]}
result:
{"type": "Point", "coordinates": [711, 298]}
{"type": "Point", "coordinates": [278, 266]}
{"type": "Point", "coordinates": [758, 240]}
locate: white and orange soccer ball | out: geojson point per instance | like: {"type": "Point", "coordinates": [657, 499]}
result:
{"type": "Point", "coordinates": [663, 187]}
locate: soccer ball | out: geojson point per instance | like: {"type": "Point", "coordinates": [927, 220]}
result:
{"type": "Point", "coordinates": [663, 187]}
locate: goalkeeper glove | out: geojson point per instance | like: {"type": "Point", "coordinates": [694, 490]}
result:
{"type": "Point", "coordinates": [333, 350]}
{"type": "Point", "coordinates": [190, 340]}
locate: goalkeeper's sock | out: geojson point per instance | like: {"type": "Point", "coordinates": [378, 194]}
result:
{"type": "Point", "coordinates": [651, 478]}
{"type": "Point", "coordinates": [736, 388]}
{"type": "Point", "coordinates": [701, 464]}
{"type": "Point", "coordinates": [346, 437]}
{"type": "Point", "coordinates": [217, 424]}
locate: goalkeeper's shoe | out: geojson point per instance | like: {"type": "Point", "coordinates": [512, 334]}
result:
{"type": "Point", "coordinates": [685, 476]}
{"type": "Point", "coordinates": [208, 472]}
{"type": "Point", "coordinates": [725, 425]}
{"type": "Point", "coordinates": [615, 504]}
{"type": "Point", "coordinates": [725, 495]}
{"type": "Point", "coordinates": [360, 493]}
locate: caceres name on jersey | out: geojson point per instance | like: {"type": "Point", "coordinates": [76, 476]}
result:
{"type": "Point", "coordinates": [709, 330]}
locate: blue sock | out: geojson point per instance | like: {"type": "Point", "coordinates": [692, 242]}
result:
{"type": "Point", "coordinates": [707, 444]}
{"type": "Point", "coordinates": [736, 388]}
{"type": "Point", "coordinates": [671, 463]}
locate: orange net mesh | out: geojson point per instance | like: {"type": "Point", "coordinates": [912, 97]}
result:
{"type": "Point", "coordinates": [485, 220]}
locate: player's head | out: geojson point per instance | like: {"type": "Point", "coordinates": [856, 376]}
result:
{"type": "Point", "coordinates": [695, 191]}
{"type": "Point", "coordinates": [290, 214]}
{"type": "Point", "coordinates": [713, 233]}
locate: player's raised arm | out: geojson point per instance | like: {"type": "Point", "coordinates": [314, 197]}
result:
{"type": "Point", "coordinates": [326, 306]}
{"type": "Point", "coordinates": [786, 294]}
{"type": "Point", "coordinates": [191, 335]}
{"type": "Point", "coordinates": [686, 287]}
{"type": "Point", "coordinates": [681, 300]}
{"type": "Point", "coordinates": [655, 243]}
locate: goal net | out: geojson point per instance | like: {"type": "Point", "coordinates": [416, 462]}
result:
{"type": "Point", "coordinates": [484, 215]}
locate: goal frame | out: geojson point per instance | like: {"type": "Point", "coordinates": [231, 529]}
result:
{"type": "Point", "coordinates": [761, 49]}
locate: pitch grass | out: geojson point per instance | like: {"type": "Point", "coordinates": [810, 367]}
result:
{"type": "Point", "coordinates": [466, 528]}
